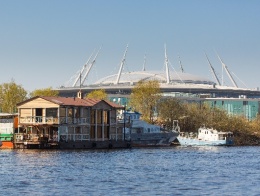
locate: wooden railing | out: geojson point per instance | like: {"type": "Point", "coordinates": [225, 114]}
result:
{"type": "Point", "coordinates": [74, 137]}
{"type": "Point", "coordinates": [116, 136]}
{"type": "Point", "coordinates": [24, 137]}
{"type": "Point", "coordinates": [52, 120]}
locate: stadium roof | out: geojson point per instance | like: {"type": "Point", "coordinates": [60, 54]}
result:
{"type": "Point", "coordinates": [136, 76]}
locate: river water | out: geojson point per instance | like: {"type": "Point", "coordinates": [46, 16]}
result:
{"type": "Point", "coordinates": [143, 171]}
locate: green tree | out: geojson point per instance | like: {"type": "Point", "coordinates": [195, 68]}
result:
{"type": "Point", "coordinates": [97, 94]}
{"type": "Point", "coordinates": [10, 95]}
{"type": "Point", "coordinates": [144, 98]}
{"type": "Point", "coordinates": [170, 109]}
{"type": "Point", "coordinates": [49, 92]}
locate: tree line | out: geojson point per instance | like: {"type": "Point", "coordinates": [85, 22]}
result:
{"type": "Point", "coordinates": [146, 98]}
{"type": "Point", "coordinates": [12, 93]}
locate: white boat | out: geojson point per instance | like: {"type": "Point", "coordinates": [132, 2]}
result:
{"type": "Point", "coordinates": [206, 137]}
{"type": "Point", "coordinates": [143, 134]}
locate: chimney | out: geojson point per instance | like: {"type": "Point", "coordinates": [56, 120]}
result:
{"type": "Point", "coordinates": [79, 95]}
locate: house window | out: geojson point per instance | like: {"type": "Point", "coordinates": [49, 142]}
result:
{"type": "Point", "coordinates": [78, 130]}
{"type": "Point", "coordinates": [93, 116]}
{"type": "Point", "coordinates": [51, 112]}
{"type": "Point", "coordinates": [106, 117]}
{"type": "Point", "coordinates": [70, 112]}
{"type": "Point", "coordinates": [92, 132]}
{"type": "Point", "coordinates": [77, 112]}
{"type": "Point", "coordinates": [99, 116]}
{"type": "Point", "coordinates": [63, 112]}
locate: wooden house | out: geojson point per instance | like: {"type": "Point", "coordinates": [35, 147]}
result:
{"type": "Point", "coordinates": [69, 122]}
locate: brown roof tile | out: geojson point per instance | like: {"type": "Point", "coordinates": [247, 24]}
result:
{"type": "Point", "coordinates": [74, 101]}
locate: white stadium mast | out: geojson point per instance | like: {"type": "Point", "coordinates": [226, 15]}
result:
{"type": "Point", "coordinates": [213, 71]}
{"type": "Point", "coordinates": [90, 66]}
{"type": "Point", "coordinates": [144, 63]}
{"type": "Point", "coordinates": [228, 73]}
{"type": "Point", "coordinates": [86, 68]}
{"type": "Point", "coordinates": [82, 70]}
{"type": "Point", "coordinates": [121, 66]}
{"type": "Point", "coordinates": [166, 65]}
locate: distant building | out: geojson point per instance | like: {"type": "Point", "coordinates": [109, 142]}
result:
{"type": "Point", "coordinates": [248, 108]}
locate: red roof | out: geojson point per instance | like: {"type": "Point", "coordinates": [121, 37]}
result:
{"type": "Point", "coordinates": [73, 101]}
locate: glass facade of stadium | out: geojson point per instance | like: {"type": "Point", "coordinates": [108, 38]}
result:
{"type": "Point", "coordinates": [249, 108]}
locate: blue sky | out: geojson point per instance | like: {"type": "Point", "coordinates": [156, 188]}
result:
{"type": "Point", "coordinates": [44, 43]}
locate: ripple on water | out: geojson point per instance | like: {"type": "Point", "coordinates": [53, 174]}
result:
{"type": "Point", "coordinates": [151, 171]}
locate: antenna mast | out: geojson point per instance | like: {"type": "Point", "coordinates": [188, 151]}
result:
{"type": "Point", "coordinates": [166, 65]}
{"type": "Point", "coordinates": [121, 66]}
{"type": "Point", "coordinates": [228, 73]}
{"type": "Point", "coordinates": [213, 71]}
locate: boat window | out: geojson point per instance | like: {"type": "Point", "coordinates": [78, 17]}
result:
{"type": "Point", "coordinates": [148, 130]}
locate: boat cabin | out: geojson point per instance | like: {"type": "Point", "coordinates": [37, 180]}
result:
{"type": "Point", "coordinates": [213, 135]}
{"type": "Point", "coordinates": [136, 125]}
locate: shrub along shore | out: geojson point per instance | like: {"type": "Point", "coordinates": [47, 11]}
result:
{"type": "Point", "coordinates": [191, 116]}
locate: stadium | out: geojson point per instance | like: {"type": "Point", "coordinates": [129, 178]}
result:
{"type": "Point", "coordinates": [172, 83]}
{"type": "Point", "coordinates": [185, 86]}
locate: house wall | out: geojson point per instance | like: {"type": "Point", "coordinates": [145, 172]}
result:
{"type": "Point", "coordinates": [25, 112]}
{"type": "Point", "coordinates": [39, 103]}
{"type": "Point", "coordinates": [29, 108]}
{"type": "Point", "coordinates": [101, 105]}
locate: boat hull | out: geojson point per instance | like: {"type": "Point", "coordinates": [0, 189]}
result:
{"type": "Point", "coordinates": [196, 142]}
{"type": "Point", "coordinates": [6, 145]}
{"type": "Point", "coordinates": [153, 139]}
{"type": "Point", "coordinates": [6, 140]}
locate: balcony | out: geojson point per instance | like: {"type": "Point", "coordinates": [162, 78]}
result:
{"type": "Point", "coordinates": [38, 120]}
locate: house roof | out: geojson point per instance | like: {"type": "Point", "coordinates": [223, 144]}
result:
{"type": "Point", "coordinates": [8, 114]}
{"type": "Point", "coordinates": [73, 101]}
